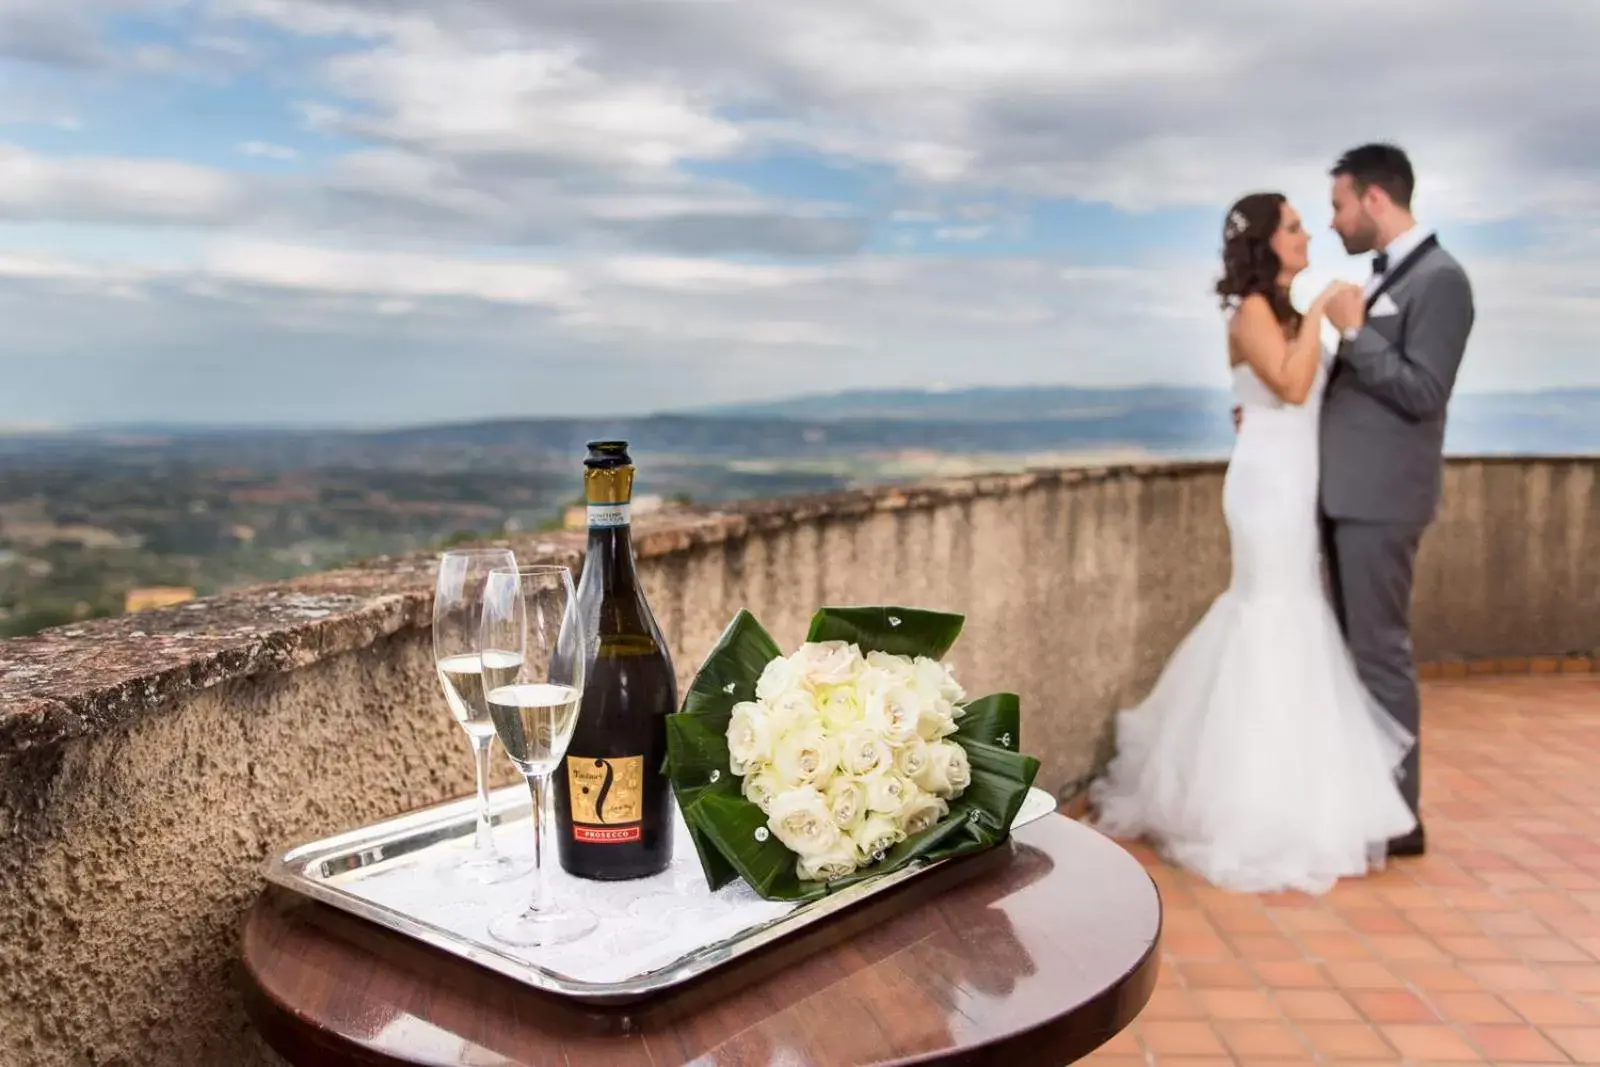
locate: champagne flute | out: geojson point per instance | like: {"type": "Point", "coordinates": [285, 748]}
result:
{"type": "Point", "coordinates": [457, 611]}
{"type": "Point", "coordinates": [528, 620]}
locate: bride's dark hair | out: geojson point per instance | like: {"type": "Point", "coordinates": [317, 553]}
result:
{"type": "Point", "coordinates": [1249, 265]}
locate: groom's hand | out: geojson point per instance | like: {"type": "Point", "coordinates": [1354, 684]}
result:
{"type": "Point", "coordinates": [1346, 310]}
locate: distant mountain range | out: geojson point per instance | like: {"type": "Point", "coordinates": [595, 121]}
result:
{"type": "Point", "coordinates": [1559, 419]}
{"type": "Point", "coordinates": [1164, 419]}
{"type": "Point", "coordinates": [1028, 404]}
{"type": "Point", "coordinates": [1046, 419]}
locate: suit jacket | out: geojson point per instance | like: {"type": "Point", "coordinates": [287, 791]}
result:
{"type": "Point", "coordinates": [1383, 413]}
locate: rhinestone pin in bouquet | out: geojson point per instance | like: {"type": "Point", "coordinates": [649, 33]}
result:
{"type": "Point", "coordinates": [851, 757]}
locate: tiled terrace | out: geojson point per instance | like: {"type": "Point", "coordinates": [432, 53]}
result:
{"type": "Point", "coordinates": [1487, 950]}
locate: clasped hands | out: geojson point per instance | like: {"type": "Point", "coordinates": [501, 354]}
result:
{"type": "Point", "coordinates": [1345, 306]}
{"type": "Point", "coordinates": [1344, 303]}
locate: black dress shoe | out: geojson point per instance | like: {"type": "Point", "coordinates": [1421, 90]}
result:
{"type": "Point", "coordinates": [1413, 844]}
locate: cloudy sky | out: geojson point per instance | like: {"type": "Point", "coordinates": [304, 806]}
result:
{"type": "Point", "coordinates": [385, 211]}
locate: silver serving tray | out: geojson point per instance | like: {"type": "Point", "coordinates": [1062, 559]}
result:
{"type": "Point", "coordinates": [653, 934]}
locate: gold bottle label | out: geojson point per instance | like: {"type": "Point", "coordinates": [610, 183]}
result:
{"type": "Point", "coordinates": [607, 798]}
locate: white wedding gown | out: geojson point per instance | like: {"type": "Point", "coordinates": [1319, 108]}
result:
{"type": "Point", "coordinates": [1259, 761]}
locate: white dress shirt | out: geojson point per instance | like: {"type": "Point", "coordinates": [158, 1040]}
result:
{"type": "Point", "coordinates": [1397, 250]}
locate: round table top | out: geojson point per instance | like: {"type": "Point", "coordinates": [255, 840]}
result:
{"type": "Point", "coordinates": [1036, 951]}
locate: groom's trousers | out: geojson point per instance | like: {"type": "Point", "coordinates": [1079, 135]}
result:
{"type": "Point", "coordinates": [1370, 568]}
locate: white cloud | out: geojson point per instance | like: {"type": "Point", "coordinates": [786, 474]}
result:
{"type": "Point", "coordinates": [392, 193]}
{"type": "Point", "coordinates": [706, 275]}
{"type": "Point", "coordinates": [420, 182]}
{"type": "Point", "coordinates": [236, 268]}
{"type": "Point", "coordinates": [963, 233]}
{"type": "Point", "coordinates": [540, 104]}
{"type": "Point", "coordinates": [389, 274]}
{"type": "Point", "coordinates": [319, 19]}
{"type": "Point", "coordinates": [48, 33]}
{"type": "Point", "coordinates": [112, 189]}
{"type": "Point", "coordinates": [1143, 103]}
{"type": "Point", "coordinates": [267, 150]}
{"type": "Point", "coordinates": [39, 267]}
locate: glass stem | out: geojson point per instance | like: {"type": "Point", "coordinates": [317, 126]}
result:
{"type": "Point", "coordinates": [541, 874]}
{"type": "Point", "coordinates": [483, 836]}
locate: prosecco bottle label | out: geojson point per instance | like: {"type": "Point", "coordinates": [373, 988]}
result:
{"type": "Point", "coordinates": [606, 516]}
{"type": "Point", "coordinates": [607, 798]}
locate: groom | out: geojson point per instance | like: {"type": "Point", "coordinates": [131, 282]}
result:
{"type": "Point", "coordinates": [1383, 419]}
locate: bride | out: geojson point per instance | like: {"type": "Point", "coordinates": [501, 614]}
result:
{"type": "Point", "coordinates": [1258, 760]}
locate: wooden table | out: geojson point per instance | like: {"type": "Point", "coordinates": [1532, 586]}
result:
{"type": "Point", "coordinates": [1035, 952]}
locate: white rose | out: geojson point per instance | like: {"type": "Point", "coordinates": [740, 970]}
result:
{"type": "Point", "coordinates": [948, 771]}
{"type": "Point", "coordinates": [847, 801]}
{"type": "Point", "coordinates": [864, 753]}
{"type": "Point", "coordinates": [791, 711]}
{"type": "Point", "coordinates": [800, 819]}
{"type": "Point", "coordinates": [840, 706]}
{"type": "Point", "coordinates": [936, 693]}
{"type": "Point", "coordinates": [894, 714]}
{"type": "Point", "coordinates": [887, 793]}
{"type": "Point", "coordinates": [876, 834]}
{"type": "Point", "coordinates": [780, 676]}
{"type": "Point", "coordinates": [922, 811]}
{"type": "Point", "coordinates": [830, 662]}
{"type": "Point", "coordinates": [895, 670]}
{"type": "Point", "coordinates": [884, 673]}
{"type": "Point", "coordinates": [935, 681]}
{"type": "Point", "coordinates": [936, 719]}
{"type": "Point", "coordinates": [805, 756]}
{"type": "Point", "coordinates": [911, 758]}
{"type": "Point", "coordinates": [749, 738]}
{"type": "Point", "coordinates": [836, 862]}
{"type": "Point", "coordinates": [760, 788]}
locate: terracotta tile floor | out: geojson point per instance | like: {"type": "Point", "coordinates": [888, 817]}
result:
{"type": "Point", "coordinates": [1487, 950]}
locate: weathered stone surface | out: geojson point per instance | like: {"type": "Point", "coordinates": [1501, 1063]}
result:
{"type": "Point", "coordinates": [80, 680]}
{"type": "Point", "coordinates": [148, 765]}
{"type": "Point", "coordinates": [126, 859]}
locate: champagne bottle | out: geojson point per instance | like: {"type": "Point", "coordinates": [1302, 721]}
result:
{"type": "Point", "coordinates": [612, 797]}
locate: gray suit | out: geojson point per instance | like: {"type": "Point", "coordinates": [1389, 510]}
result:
{"type": "Point", "coordinates": [1383, 422]}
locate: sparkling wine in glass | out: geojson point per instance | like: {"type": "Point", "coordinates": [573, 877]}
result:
{"type": "Point", "coordinates": [528, 619]}
{"type": "Point", "coordinates": [466, 677]}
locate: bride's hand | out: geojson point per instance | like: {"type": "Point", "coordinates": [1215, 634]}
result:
{"type": "Point", "coordinates": [1334, 288]}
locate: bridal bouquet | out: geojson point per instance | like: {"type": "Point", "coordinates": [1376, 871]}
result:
{"type": "Point", "coordinates": [853, 756]}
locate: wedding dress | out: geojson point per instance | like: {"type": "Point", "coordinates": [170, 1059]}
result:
{"type": "Point", "coordinates": [1259, 760]}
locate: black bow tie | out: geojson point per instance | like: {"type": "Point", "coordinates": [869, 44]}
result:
{"type": "Point", "coordinates": [1380, 263]}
